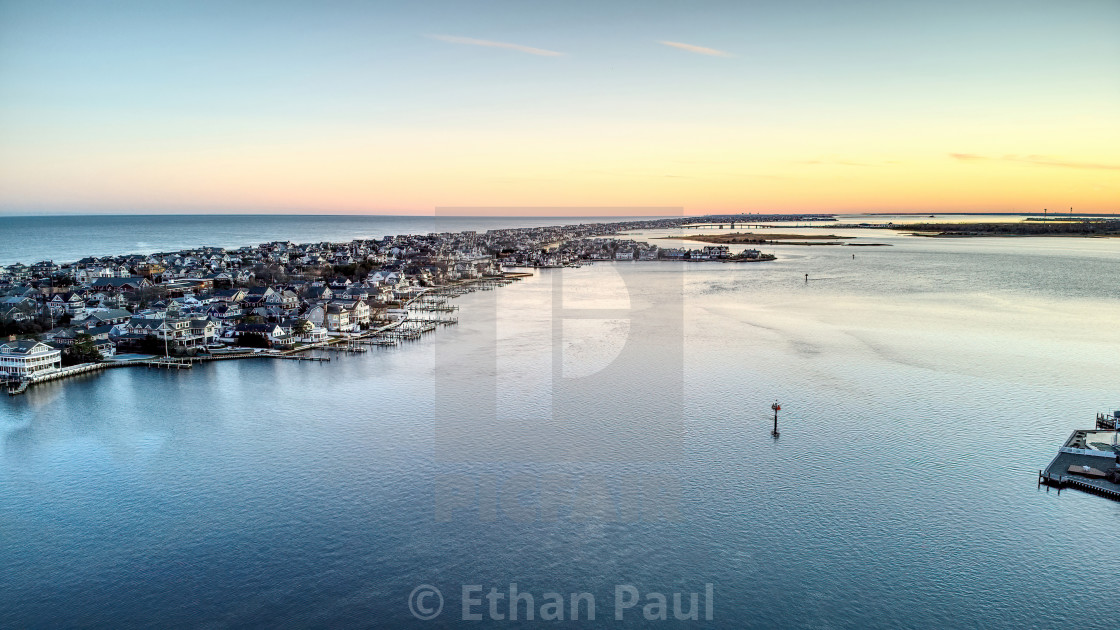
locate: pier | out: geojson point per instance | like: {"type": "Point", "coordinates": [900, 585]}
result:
{"type": "Point", "coordinates": [171, 364]}
{"type": "Point", "coordinates": [15, 388]}
{"type": "Point", "coordinates": [1059, 481]}
{"type": "Point", "coordinates": [1088, 452]}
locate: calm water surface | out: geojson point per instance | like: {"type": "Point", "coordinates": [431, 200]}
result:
{"type": "Point", "coordinates": [923, 385]}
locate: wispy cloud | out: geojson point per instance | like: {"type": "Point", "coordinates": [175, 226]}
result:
{"type": "Point", "coordinates": [1037, 160]}
{"type": "Point", "coordinates": [700, 50]}
{"type": "Point", "coordinates": [451, 39]}
{"type": "Point", "coordinates": [832, 161]}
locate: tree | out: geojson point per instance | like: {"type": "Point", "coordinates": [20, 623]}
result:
{"type": "Point", "coordinates": [151, 345]}
{"type": "Point", "coordinates": [83, 351]}
{"type": "Point", "coordinates": [254, 340]}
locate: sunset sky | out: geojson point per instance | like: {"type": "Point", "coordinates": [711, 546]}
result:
{"type": "Point", "coordinates": [402, 107]}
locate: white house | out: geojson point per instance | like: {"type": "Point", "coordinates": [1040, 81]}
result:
{"type": "Point", "coordinates": [27, 357]}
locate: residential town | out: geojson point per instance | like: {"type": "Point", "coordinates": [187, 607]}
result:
{"type": "Point", "coordinates": [277, 295]}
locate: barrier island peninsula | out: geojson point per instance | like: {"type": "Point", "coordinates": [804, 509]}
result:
{"type": "Point", "coordinates": [280, 299]}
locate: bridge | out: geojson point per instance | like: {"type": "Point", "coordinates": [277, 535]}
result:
{"type": "Point", "coordinates": [735, 225]}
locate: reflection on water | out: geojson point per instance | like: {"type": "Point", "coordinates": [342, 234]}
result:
{"type": "Point", "coordinates": [922, 385]}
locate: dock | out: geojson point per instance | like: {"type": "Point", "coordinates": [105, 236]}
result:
{"type": "Point", "coordinates": [1084, 448]}
{"type": "Point", "coordinates": [170, 364]}
{"type": "Point", "coordinates": [15, 388]}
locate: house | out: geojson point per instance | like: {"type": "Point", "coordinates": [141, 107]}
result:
{"type": "Point", "coordinates": [101, 341]}
{"type": "Point", "coordinates": [181, 332]}
{"type": "Point", "coordinates": [224, 311]}
{"type": "Point", "coordinates": [109, 301]}
{"type": "Point", "coordinates": [338, 318]}
{"type": "Point", "coordinates": [359, 311]}
{"type": "Point", "coordinates": [70, 303]}
{"type": "Point", "coordinates": [316, 314]}
{"type": "Point", "coordinates": [19, 272]}
{"type": "Point", "coordinates": [273, 332]}
{"type": "Point", "coordinates": [27, 357]}
{"type": "Point", "coordinates": [304, 331]}
{"type": "Point", "coordinates": [44, 269]}
{"type": "Point", "coordinates": [229, 296]}
{"type": "Point", "coordinates": [64, 337]}
{"type": "Point", "coordinates": [717, 251]}
{"type": "Point", "coordinates": [150, 269]}
{"type": "Point", "coordinates": [257, 298]}
{"type": "Point", "coordinates": [108, 316]}
{"type": "Point", "coordinates": [118, 285]}
{"type": "Point", "coordinates": [85, 275]}
{"type": "Point", "coordinates": [319, 293]}
{"type": "Point", "coordinates": [286, 300]}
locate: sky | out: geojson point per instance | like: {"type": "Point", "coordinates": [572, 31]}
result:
{"type": "Point", "coordinates": [408, 107]}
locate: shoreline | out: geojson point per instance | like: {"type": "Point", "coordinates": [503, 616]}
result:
{"type": "Point", "coordinates": [279, 298]}
{"type": "Point", "coordinates": [368, 337]}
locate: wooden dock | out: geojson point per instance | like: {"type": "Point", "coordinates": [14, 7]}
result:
{"type": "Point", "coordinates": [1062, 481]}
{"type": "Point", "coordinates": [74, 370]}
{"type": "Point", "coordinates": [1058, 474]}
{"type": "Point", "coordinates": [170, 364]}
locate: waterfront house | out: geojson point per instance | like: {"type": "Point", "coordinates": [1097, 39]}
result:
{"type": "Point", "coordinates": [338, 318]}
{"type": "Point", "coordinates": [182, 332]}
{"type": "Point", "coordinates": [717, 251]}
{"type": "Point", "coordinates": [273, 332]}
{"type": "Point", "coordinates": [303, 330]}
{"type": "Point", "coordinates": [26, 358]}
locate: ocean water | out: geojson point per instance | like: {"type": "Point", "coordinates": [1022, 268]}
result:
{"type": "Point", "coordinates": [922, 385]}
{"type": "Point", "coordinates": [29, 239]}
